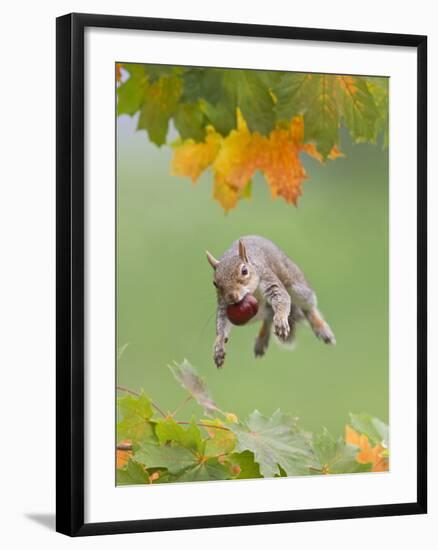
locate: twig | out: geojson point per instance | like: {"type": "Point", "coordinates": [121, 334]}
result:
{"type": "Point", "coordinates": [132, 392]}
{"type": "Point", "coordinates": [186, 400]}
{"type": "Point", "coordinates": [203, 425]}
{"type": "Point", "coordinates": [127, 390]}
{"type": "Point", "coordinates": [124, 447]}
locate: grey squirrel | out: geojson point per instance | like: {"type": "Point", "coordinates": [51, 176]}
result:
{"type": "Point", "coordinates": [254, 265]}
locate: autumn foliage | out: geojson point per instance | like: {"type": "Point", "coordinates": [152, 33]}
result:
{"type": "Point", "coordinates": [237, 122]}
{"type": "Point", "coordinates": [154, 446]}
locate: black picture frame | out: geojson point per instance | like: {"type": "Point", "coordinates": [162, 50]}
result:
{"type": "Point", "coordinates": [70, 272]}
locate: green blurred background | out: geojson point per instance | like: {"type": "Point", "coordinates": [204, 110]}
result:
{"type": "Point", "coordinates": [338, 235]}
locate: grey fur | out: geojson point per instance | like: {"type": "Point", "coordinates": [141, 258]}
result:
{"type": "Point", "coordinates": [284, 295]}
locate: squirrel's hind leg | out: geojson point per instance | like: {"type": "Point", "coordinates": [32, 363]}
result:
{"type": "Point", "coordinates": [304, 296]}
{"type": "Point", "coordinates": [320, 327]}
{"type": "Point", "coordinates": [262, 341]}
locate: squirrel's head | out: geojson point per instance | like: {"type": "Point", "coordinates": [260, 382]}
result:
{"type": "Point", "coordinates": [234, 276]}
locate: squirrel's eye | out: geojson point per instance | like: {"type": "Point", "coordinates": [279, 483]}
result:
{"type": "Point", "coordinates": [244, 270]}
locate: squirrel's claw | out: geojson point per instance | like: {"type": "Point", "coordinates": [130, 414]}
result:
{"type": "Point", "coordinates": [219, 356]}
{"type": "Point", "coordinates": [281, 327]}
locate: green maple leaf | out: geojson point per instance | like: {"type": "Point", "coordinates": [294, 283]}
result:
{"type": "Point", "coordinates": [357, 107]}
{"type": "Point", "coordinates": [188, 377]}
{"type": "Point", "coordinates": [221, 441]}
{"type": "Point", "coordinates": [173, 458]}
{"type": "Point", "coordinates": [327, 100]}
{"type": "Point", "coordinates": [134, 418]}
{"type": "Point", "coordinates": [222, 115]}
{"type": "Point", "coordinates": [182, 463]}
{"type": "Point", "coordinates": [250, 93]}
{"type": "Point", "coordinates": [334, 456]}
{"type": "Point", "coordinates": [207, 470]}
{"type": "Point", "coordinates": [379, 89]}
{"type": "Point", "coordinates": [199, 83]}
{"type": "Point", "coordinates": [167, 430]}
{"type": "Point", "coordinates": [131, 93]}
{"type": "Point", "coordinates": [312, 96]}
{"type": "Point", "coordinates": [291, 91]}
{"type": "Point", "coordinates": [155, 72]}
{"type": "Point", "coordinates": [275, 442]}
{"type": "Point", "coordinates": [160, 102]}
{"type": "Point", "coordinates": [376, 430]}
{"type": "Point", "coordinates": [189, 120]}
{"type": "Point", "coordinates": [249, 469]}
{"type": "Point", "coordinates": [133, 474]}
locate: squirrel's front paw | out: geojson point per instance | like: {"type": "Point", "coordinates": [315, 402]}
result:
{"type": "Point", "coordinates": [219, 356]}
{"type": "Point", "coordinates": [281, 327]}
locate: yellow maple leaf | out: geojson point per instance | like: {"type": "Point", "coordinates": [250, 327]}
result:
{"type": "Point", "coordinates": [239, 156]}
{"type": "Point", "coordinates": [191, 159]}
{"type": "Point", "coordinates": [367, 454]}
{"type": "Point", "coordinates": [227, 195]}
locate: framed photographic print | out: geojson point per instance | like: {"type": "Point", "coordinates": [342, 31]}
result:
{"type": "Point", "coordinates": [241, 274]}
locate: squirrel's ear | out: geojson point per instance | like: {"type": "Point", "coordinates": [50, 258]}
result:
{"type": "Point", "coordinates": [212, 260]}
{"type": "Point", "coordinates": [242, 251]}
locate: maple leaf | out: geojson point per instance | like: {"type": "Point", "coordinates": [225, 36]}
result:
{"type": "Point", "coordinates": [239, 156]}
{"type": "Point", "coordinates": [131, 93]}
{"type": "Point", "coordinates": [242, 121]}
{"type": "Point", "coordinates": [247, 466]}
{"type": "Point", "coordinates": [183, 464]}
{"type": "Point", "coordinates": [325, 101]}
{"type": "Point", "coordinates": [191, 159]}
{"type": "Point", "coordinates": [367, 454]}
{"type": "Point", "coordinates": [335, 456]}
{"type": "Point", "coordinates": [133, 474]}
{"type": "Point", "coordinates": [282, 166]}
{"type": "Point", "coordinates": [376, 430]}
{"type": "Point", "coordinates": [160, 102]}
{"type": "Point", "coordinates": [168, 430]}
{"type": "Point", "coordinates": [134, 418]}
{"type": "Point", "coordinates": [357, 106]}
{"type": "Point", "coordinates": [250, 93]}
{"type": "Point", "coordinates": [189, 120]}
{"type": "Point", "coordinates": [118, 72]}
{"type": "Point", "coordinates": [222, 441]}
{"type": "Point", "coordinates": [122, 455]}
{"type": "Point", "coordinates": [276, 443]}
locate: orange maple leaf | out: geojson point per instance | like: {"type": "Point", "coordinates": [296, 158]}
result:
{"type": "Point", "coordinates": [367, 454]}
{"type": "Point", "coordinates": [122, 456]}
{"type": "Point", "coordinates": [282, 166]}
{"type": "Point", "coordinates": [118, 72]}
{"type": "Point", "coordinates": [236, 157]}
